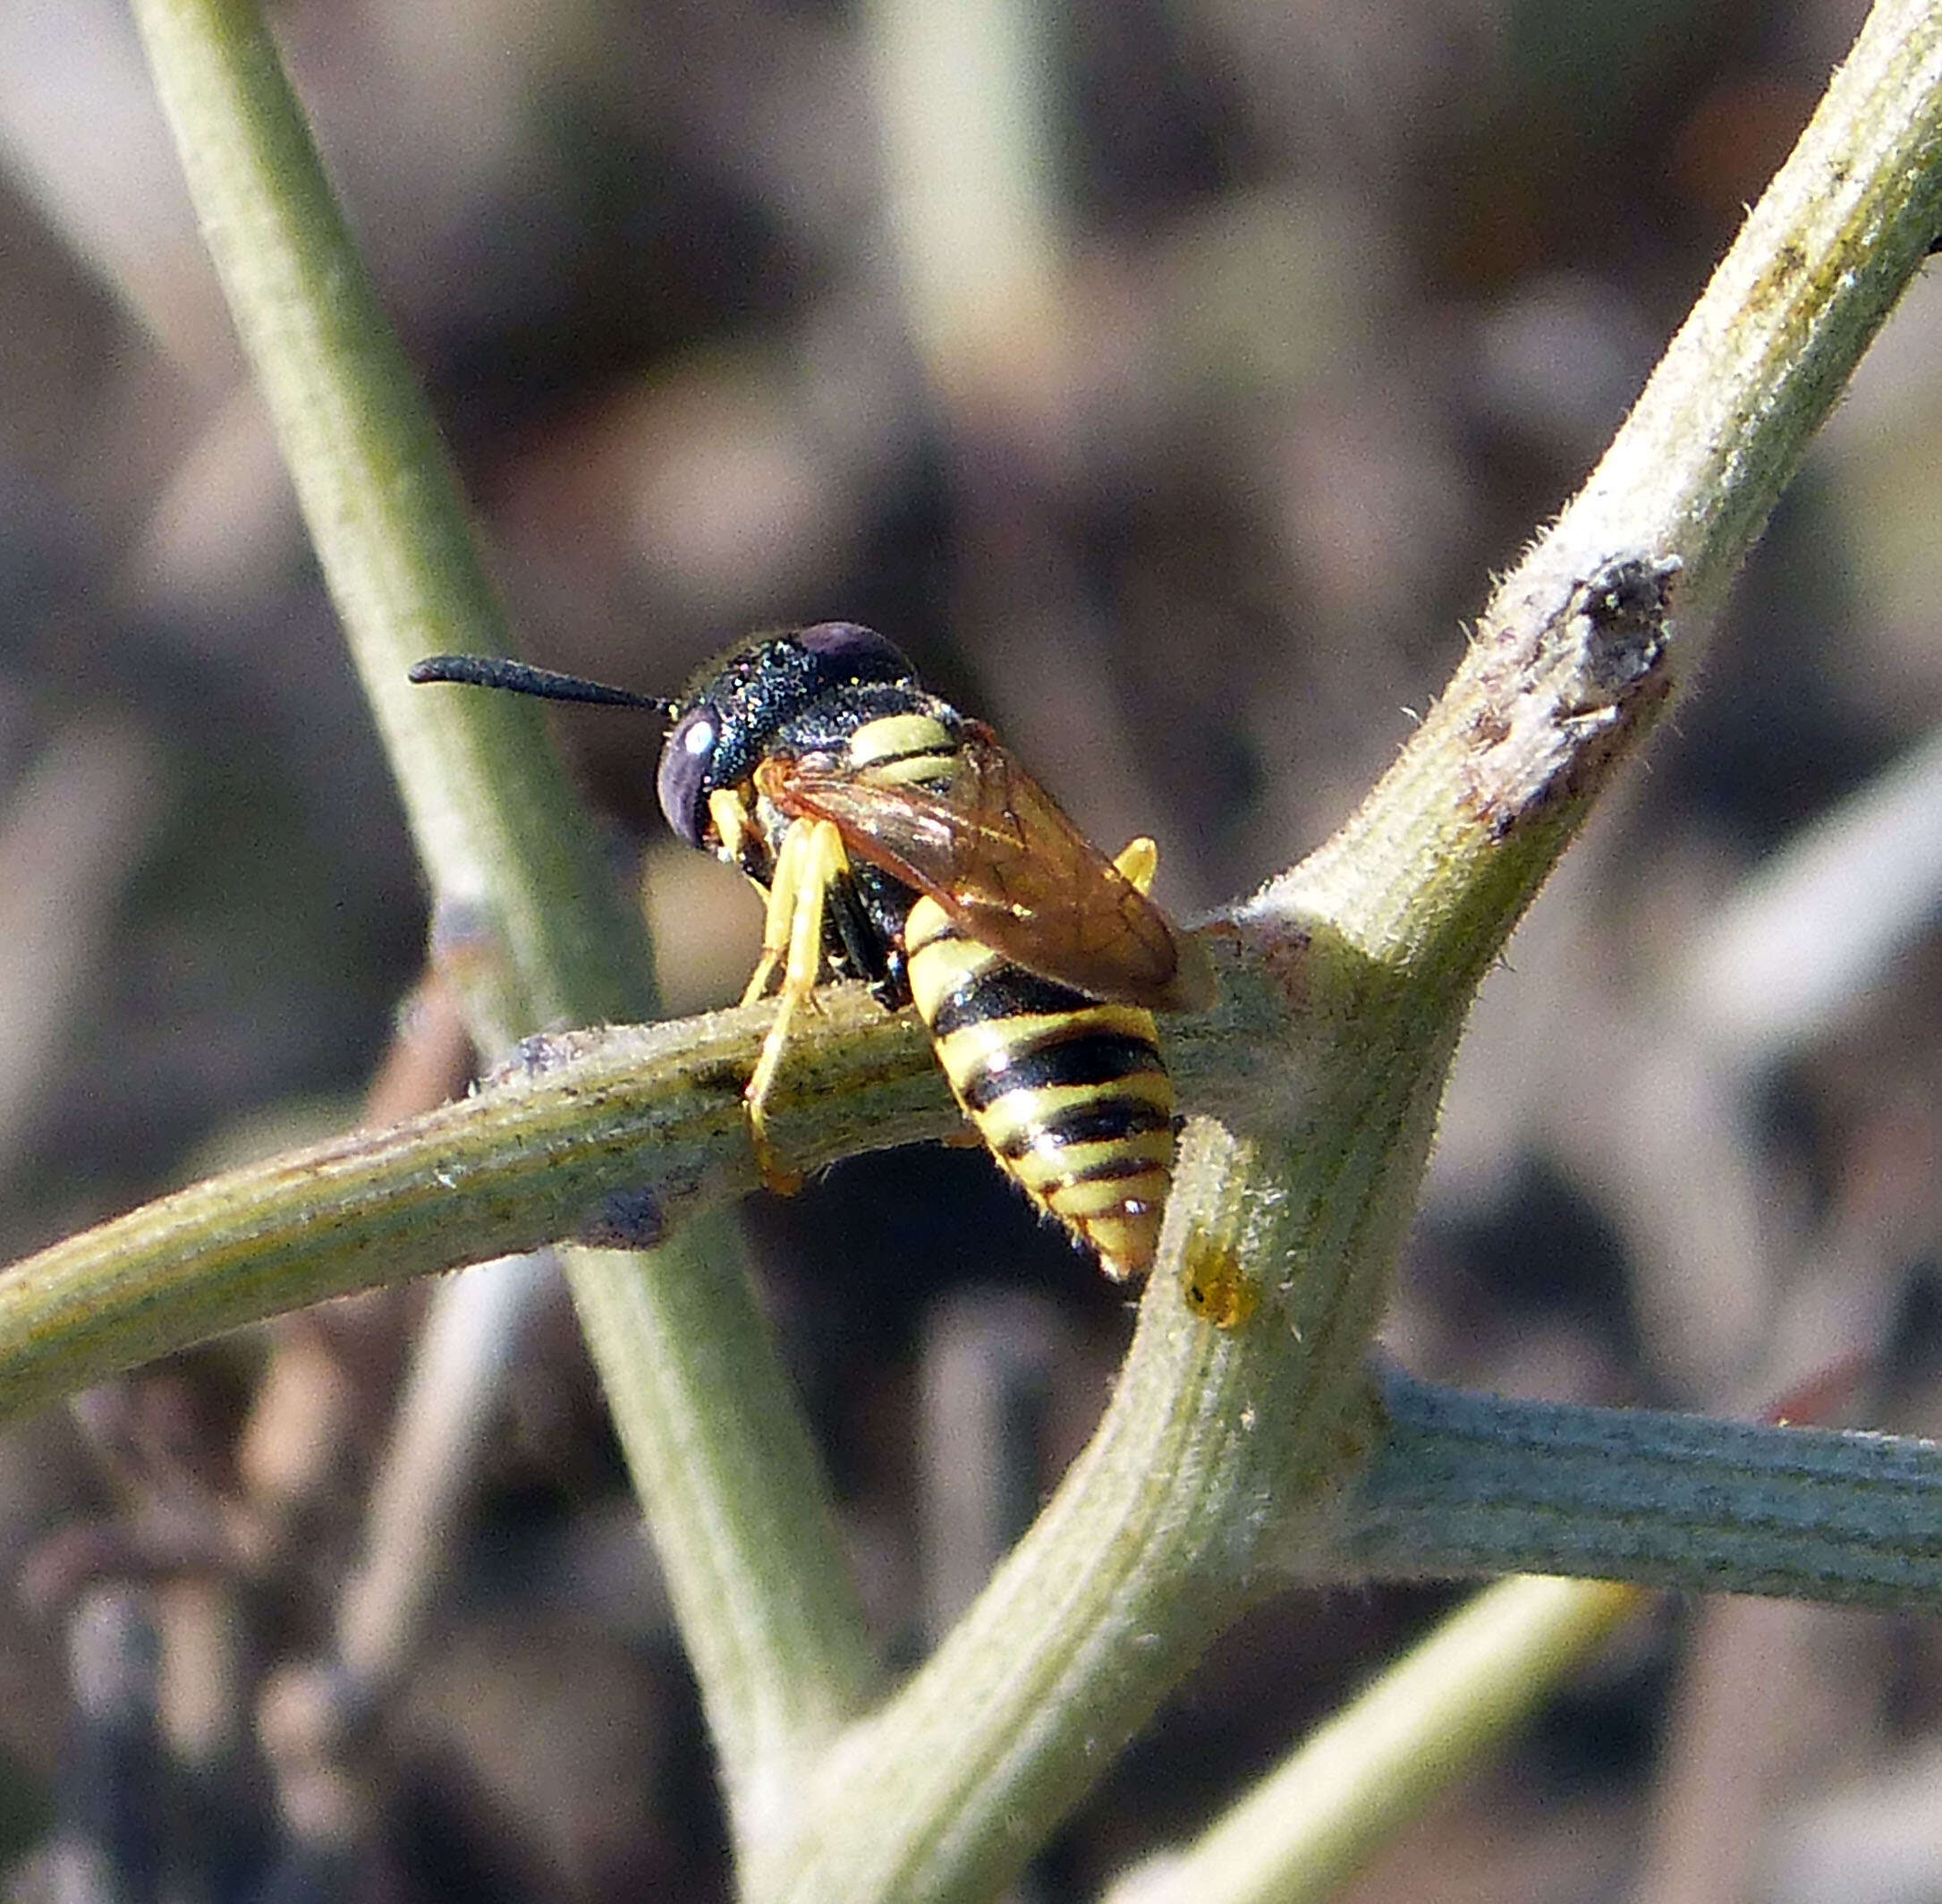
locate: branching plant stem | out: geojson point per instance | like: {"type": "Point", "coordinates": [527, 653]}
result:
{"type": "Point", "coordinates": [1247, 1441]}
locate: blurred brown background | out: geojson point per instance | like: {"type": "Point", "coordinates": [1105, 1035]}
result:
{"type": "Point", "coordinates": [1348, 299]}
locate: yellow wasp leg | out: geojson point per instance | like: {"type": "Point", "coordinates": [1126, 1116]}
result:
{"type": "Point", "coordinates": [1137, 864]}
{"type": "Point", "coordinates": [730, 819]}
{"type": "Point", "coordinates": [811, 857]}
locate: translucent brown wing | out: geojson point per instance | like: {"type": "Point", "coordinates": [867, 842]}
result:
{"type": "Point", "coordinates": [1011, 870]}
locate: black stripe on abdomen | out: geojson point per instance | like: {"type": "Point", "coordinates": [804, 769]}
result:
{"type": "Point", "coordinates": [1104, 1120]}
{"type": "Point", "coordinates": [1095, 1058]}
{"type": "Point", "coordinates": [1004, 990]}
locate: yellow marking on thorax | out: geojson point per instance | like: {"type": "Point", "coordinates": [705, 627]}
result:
{"type": "Point", "coordinates": [899, 749]}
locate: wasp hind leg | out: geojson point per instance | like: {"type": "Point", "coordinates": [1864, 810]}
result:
{"type": "Point", "coordinates": [1137, 862]}
{"type": "Point", "coordinates": [809, 858]}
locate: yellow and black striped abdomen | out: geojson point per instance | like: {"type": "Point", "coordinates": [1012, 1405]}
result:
{"type": "Point", "coordinates": [1068, 1092]}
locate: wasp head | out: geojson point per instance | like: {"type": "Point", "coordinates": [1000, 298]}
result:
{"type": "Point", "coordinates": [731, 713]}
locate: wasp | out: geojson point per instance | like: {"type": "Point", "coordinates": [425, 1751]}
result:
{"type": "Point", "coordinates": [898, 842]}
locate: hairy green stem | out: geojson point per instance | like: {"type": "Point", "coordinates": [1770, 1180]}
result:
{"type": "Point", "coordinates": [1476, 1484]}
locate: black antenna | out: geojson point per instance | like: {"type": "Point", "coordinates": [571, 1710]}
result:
{"type": "Point", "coordinates": [517, 678]}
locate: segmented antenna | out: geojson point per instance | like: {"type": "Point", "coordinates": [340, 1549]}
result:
{"type": "Point", "coordinates": [516, 677]}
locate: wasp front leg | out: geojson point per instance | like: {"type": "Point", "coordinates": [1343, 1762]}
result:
{"type": "Point", "coordinates": [810, 857]}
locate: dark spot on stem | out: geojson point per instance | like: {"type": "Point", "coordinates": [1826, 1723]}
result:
{"type": "Point", "coordinates": [628, 1220]}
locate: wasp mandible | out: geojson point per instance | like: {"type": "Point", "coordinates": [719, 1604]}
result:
{"type": "Point", "coordinates": [898, 842]}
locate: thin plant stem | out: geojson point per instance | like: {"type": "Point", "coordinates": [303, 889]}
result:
{"type": "Point", "coordinates": [528, 923]}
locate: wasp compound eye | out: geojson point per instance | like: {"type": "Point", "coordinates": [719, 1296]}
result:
{"type": "Point", "coordinates": [858, 652]}
{"type": "Point", "coordinates": [687, 761]}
